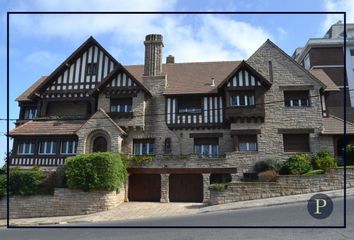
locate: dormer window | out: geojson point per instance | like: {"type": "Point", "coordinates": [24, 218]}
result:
{"type": "Point", "coordinates": [242, 100]}
{"type": "Point", "coordinates": [296, 98]}
{"type": "Point", "coordinates": [30, 113]}
{"type": "Point", "coordinates": [91, 69]}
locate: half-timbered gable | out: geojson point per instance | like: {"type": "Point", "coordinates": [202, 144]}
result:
{"type": "Point", "coordinates": [244, 91]}
{"type": "Point", "coordinates": [79, 74]}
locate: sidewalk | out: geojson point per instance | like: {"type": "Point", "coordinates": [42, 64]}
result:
{"type": "Point", "coordinates": [138, 210]}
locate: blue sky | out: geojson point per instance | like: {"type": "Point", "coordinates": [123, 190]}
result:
{"type": "Point", "coordinates": [39, 43]}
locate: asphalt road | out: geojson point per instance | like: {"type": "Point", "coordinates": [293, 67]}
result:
{"type": "Point", "coordinates": [283, 215]}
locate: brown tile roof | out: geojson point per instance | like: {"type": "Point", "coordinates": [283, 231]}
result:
{"type": "Point", "coordinates": [25, 94]}
{"type": "Point", "coordinates": [52, 127]}
{"type": "Point", "coordinates": [325, 79]}
{"type": "Point", "coordinates": [187, 78]}
{"type": "Point", "coordinates": [333, 125]}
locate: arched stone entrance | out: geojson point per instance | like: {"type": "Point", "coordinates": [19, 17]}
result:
{"type": "Point", "coordinates": [99, 144]}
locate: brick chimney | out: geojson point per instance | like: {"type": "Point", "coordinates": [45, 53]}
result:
{"type": "Point", "coordinates": [170, 59]}
{"type": "Point", "coordinates": [153, 55]}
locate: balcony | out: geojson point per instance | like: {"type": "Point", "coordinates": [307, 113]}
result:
{"type": "Point", "coordinates": [232, 114]}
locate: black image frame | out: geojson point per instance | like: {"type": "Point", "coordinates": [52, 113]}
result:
{"type": "Point", "coordinates": [9, 13]}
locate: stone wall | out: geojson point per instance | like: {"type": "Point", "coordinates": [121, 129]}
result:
{"type": "Point", "coordinates": [285, 185]}
{"type": "Point", "coordinates": [64, 202]}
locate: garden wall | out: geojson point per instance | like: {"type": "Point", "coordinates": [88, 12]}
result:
{"type": "Point", "coordinates": [64, 202]}
{"type": "Point", "coordinates": [285, 185]}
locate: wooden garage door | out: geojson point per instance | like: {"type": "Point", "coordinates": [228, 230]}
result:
{"type": "Point", "coordinates": [144, 187]}
{"type": "Point", "coordinates": [186, 188]}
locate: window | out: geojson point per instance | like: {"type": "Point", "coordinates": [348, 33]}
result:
{"type": "Point", "coordinates": [296, 98]}
{"type": "Point", "coordinates": [247, 143]}
{"type": "Point", "coordinates": [143, 146]}
{"type": "Point", "coordinates": [68, 147]}
{"type": "Point", "coordinates": [351, 52]}
{"type": "Point", "coordinates": [121, 105]}
{"type": "Point", "coordinates": [189, 105]}
{"type": "Point", "coordinates": [296, 142]}
{"type": "Point", "coordinates": [206, 147]}
{"type": "Point", "coordinates": [30, 112]}
{"type": "Point", "coordinates": [242, 100]}
{"type": "Point", "coordinates": [48, 147]}
{"type": "Point", "coordinates": [91, 69]}
{"type": "Point", "coordinates": [168, 147]}
{"type": "Point", "coordinates": [307, 63]}
{"type": "Point", "coordinates": [25, 148]}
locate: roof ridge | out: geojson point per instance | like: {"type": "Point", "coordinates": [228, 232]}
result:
{"type": "Point", "coordinates": [179, 63]}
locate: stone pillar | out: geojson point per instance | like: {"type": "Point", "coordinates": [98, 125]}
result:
{"type": "Point", "coordinates": [164, 188]}
{"type": "Point", "coordinates": [126, 188]}
{"type": "Point", "coordinates": [206, 184]}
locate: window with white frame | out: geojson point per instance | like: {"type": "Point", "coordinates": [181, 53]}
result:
{"type": "Point", "coordinates": [143, 146]}
{"type": "Point", "coordinates": [30, 113]}
{"type": "Point", "coordinates": [121, 105]}
{"type": "Point", "coordinates": [247, 143]}
{"type": "Point", "coordinates": [206, 147]}
{"type": "Point", "coordinates": [25, 148]}
{"type": "Point", "coordinates": [296, 98]}
{"type": "Point", "coordinates": [68, 147]}
{"type": "Point", "coordinates": [242, 100]}
{"type": "Point", "coordinates": [48, 147]}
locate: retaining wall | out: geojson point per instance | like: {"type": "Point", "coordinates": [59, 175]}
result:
{"type": "Point", "coordinates": [284, 186]}
{"type": "Point", "coordinates": [64, 202]}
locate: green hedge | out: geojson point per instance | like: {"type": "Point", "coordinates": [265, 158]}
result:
{"type": "Point", "coordinates": [298, 164]}
{"type": "Point", "coordinates": [24, 182]}
{"type": "Point", "coordinates": [265, 165]}
{"type": "Point", "coordinates": [96, 171]}
{"type": "Point", "coordinates": [324, 161]}
{"type": "Point", "coordinates": [2, 185]}
{"type": "Point", "coordinates": [350, 154]}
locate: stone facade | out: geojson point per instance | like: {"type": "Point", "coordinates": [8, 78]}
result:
{"type": "Point", "coordinates": [138, 108]}
{"type": "Point", "coordinates": [64, 202]}
{"type": "Point", "coordinates": [99, 125]}
{"type": "Point", "coordinates": [285, 185]}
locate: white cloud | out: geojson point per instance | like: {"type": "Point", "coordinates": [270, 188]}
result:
{"type": "Point", "coordinates": [338, 5]}
{"type": "Point", "coordinates": [189, 38]}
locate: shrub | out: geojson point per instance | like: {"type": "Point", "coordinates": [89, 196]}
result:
{"type": "Point", "coordinates": [142, 159]}
{"type": "Point", "coordinates": [95, 171]}
{"type": "Point", "coordinates": [298, 164]}
{"type": "Point", "coordinates": [2, 185]}
{"type": "Point", "coordinates": [313, 172]}
{"type": "Point", "coordinates": [24, 182]}
{"type": "Point", "coordinates": [265, 165]}
{"type": "Point", "coordinates": [218, 186]}
{"type": "Point", "coordinates": [324, 160]}
{"type": "Point", "coordinates": [267, 176]}
{"type": "Point", "coordinates": [350, 154]}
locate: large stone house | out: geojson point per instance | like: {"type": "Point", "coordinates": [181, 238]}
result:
{"type": "Point", "coordinates": [202, 122]}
